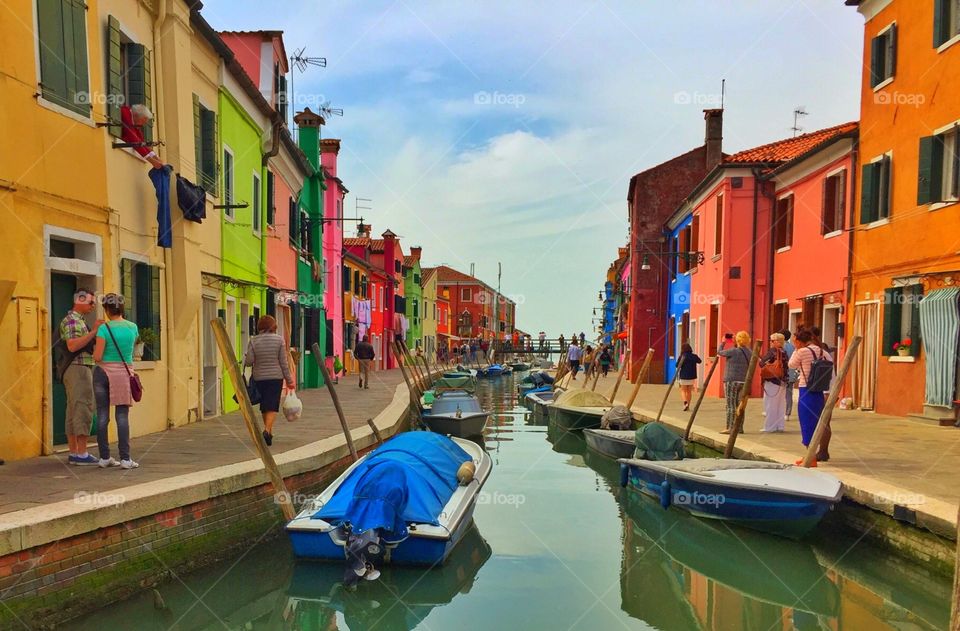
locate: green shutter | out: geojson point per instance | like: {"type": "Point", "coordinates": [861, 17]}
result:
{"type": "Point", "coordinates": [269, 198]}
{"type": "Point", "coordinates": [869, 192]}
{"type": "Point", "coordinates": [876, 57]}
{"type": "Point", "coordinates": [138, 80]}
{"type": "Point", "coordinates": [930, 170]}
{"type": "Point", "coordinates": [78, 90]}
{"type": "Point", "coordinates": [915, 296]}
{"type": "Point", "coordinates": [890, 54]}
{"type": "Point", "coordinates": [891, 319]}
{"type": "Point", "coordinates": [53, 74]}
{"type": "Point", "coordinates": [197, 141]}
{"type": "Point", "coordinates": [883, 187]}
{"type": "Point", "coordinates": [114, 80]}
{"type": "Point", "coordinates": [208, 151]}
{"type": "Point", "coordinates": [940, 22]}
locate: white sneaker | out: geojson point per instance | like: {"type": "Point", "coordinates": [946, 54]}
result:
{"type": "Point", "coordinates": [109, 462]}
{"type": "Point", "coordinates": [129, 464]}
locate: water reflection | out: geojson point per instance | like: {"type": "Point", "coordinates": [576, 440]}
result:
{"type": "Point", "coordinates": [723, 577]}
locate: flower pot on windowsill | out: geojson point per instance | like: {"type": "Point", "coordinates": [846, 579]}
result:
{"type": "Point", "coordinates": [903, 351]}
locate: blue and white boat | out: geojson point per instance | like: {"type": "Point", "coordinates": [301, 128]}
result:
{"type": "Point", "coordinates": [539, 399]}
{"type": "Point", "coordinates": [403, 497]}
{"type": "Point", "coordinates": [782, 499]}
{"type": "Point", "coordinates": [456, 413]}
{"type": "Point", "coordinates": [493, 370]}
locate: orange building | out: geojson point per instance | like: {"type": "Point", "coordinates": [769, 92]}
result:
{"type": "Point", "coordinates": [905, 262]}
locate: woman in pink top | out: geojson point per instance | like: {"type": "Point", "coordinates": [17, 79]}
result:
{"type": "Point", "coordinates": [809, 404]}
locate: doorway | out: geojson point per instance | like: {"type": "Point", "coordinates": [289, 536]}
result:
{"type": "Point", "coordinates": [62, 289]}
{"type": "Point", "coordinates": [211, 404]}
{"type": "Point", "coordinates": [866, 319]}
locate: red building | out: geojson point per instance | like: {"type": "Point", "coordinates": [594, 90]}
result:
{"type": "Point", "coordinates": [651, 198]}
{"type": "Point", "coordinates": [386, 260]}
{"type": "Point", "coordinates": [744, 225]}
{"type": "Point", "coordinates": [471, 303]}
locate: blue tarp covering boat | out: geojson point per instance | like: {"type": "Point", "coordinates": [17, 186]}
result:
{"type": "Point", "coordinates": [407, 480]}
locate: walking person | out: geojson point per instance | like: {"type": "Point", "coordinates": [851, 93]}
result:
{"type": "Point", "coordinates": [75, 370]}
{"type": "Point", "coordinates": [365, 355]}
{"type": "Point", "coordinates": [588, 361]}
{"type": "Point", "coordinates": [605, 359]}
{"type": "Point", "coordinates": [688, 374]}
{"type": "Point", "coordinates": [792, 374]}
{"type": "Point", "coordinates": [574, 354]}
{"type": "Point", "coordinates": [111, 381]}
{"type": "Point", "coordinates": [734, 372]}
{"type": "Point", "coordinates": [773, 375]}
{"type": "Point", "coordinates": [267, 353]}
{"type": "Point", "coordinates": [810, 403]}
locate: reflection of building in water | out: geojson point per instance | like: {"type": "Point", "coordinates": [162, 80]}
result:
{"type": "Point", "coordinates": [682, 572]}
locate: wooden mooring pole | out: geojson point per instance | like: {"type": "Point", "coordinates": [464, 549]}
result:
{"type": "Point", "coordinates": [252, 419]}
{"type": "Point", "coordinates": [676, 376]}
{"type": "Point", "coordinates": [644, 369]}
{"type": "Point", "coordinates": [703, 391]}
{"type": "Point", "coordinates": [616, 386]}
{"type": "Point", "coordinates": [322, 365]}
{"type": "Point", "coordinates": [744, 397]}
{"type": "Point", "coordinates": [824, 421]}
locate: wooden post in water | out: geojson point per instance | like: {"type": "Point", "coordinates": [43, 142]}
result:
{"type": "Point", "coordinates": [676, 375]}
{"type": "Point", "coordinates": [703, 390]}
{"type": "Point", "coordinates": [414, 368]}
{"type": "Point", "coordinates": [252, 419]}
{"type": "Point", "coordinates": [596, 374]}
{"type": "Point", "coordinates": [744, 397]}
{"type": "Point", "coordinates": [322, 365]}
{"type": "Point", "coordinates": [640, 377]}
{"type": "Point", "coordinates": [414, 397]}
{"type": "Point", "coordinates": [426, 366]}
{"type": "Point", "coordinates": [824, 421]}
{"type": "Point", "coordinates": [376, 432]}
{"type": "Point", "coordinates": [616, 386]}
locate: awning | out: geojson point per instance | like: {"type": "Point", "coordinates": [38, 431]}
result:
{"type": "Point", "coordinates": [939, 330]}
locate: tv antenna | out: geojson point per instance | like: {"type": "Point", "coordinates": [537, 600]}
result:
{"type": "Point", "coordinates": [797, 113]}
{"type": "Point", "coordinates": [326, 111]}
{"type": "Point", "coordinates": [300, 61]}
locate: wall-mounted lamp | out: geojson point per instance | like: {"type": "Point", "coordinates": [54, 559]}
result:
{"type": "Point", "coordinates": [645, 264]}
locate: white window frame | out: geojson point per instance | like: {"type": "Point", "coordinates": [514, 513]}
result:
{"type": "Point", "coordinates": [50, 105]}
{"type": "Point", "coordinates": [882, 221]}
{"type": "Point", "coordinates": [950, 146]}
{"type": "Point", "coordinates": [466, 294]}
{"type": "Point", "coordinates": [793, 203]}
{"type": "Point", "coordinates": [846, 180]}
{"type": "Point", "coordinates": [893, 76]}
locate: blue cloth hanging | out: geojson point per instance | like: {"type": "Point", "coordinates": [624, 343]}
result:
{"type": "Point", "coordinates": [161, 182]}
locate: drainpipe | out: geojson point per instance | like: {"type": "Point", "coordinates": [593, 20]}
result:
{"type": "Point", "coordinates": [772, 196]}
{"type": "Point", "coordinates": [167, 254]}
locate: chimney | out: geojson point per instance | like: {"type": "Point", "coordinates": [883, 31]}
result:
{"type": "Point", "coordinates": [415, 252]}
{"type": "Point", "coordinates": [713, 141]}
{"type": "Point", "coordinates": [363, 230]}
{"type": "Point", "coordinates": [308, 125]}
{"type": "Point", "coordinates": [329, 150]}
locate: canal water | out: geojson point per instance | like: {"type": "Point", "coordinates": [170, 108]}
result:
{"type": "Point", "coordinates": [559, 545]}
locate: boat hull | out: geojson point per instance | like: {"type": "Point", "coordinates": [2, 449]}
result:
{"type": "Point", "coordinates": [772, 511]}
{"type": "Point", "coordinates": [464, 427]}
{"type": "Point", "coordinates": [575, 418]}
{"type": "Point", "coordinates": [610, 443]}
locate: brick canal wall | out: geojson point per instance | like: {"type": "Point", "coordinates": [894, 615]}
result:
{"type": "Point", "coordinates": [127, 541]}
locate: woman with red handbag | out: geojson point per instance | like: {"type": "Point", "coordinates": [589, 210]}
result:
{"type": "Point", "coordinates": [114, 382]}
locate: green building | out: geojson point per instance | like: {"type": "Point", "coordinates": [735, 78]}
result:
{"type": "Point", "coordinates": [413, 293]}
{"type": "Point", "coordinates": [307, 229]}
{"type": "Point", "coordinates": [243, 290]}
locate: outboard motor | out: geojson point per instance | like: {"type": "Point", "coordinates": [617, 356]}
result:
{"type": "Point", "coordinates": [364, 552]}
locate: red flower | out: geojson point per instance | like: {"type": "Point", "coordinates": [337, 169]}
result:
{"type": "Point", "coordinates": [906, 341]}
{"type": "Point", "coordinates": [896, 345]}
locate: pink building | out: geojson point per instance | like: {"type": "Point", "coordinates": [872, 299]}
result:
{"type": "Point", "coordinates": [737, 223]}
{"type": "Point", "coordinates": [333, 202]}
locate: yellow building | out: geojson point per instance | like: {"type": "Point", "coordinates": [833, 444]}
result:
{"type": "Point", "coordinates": [54, 198]}
{"type": "Point", "coordinates": [428, 281]}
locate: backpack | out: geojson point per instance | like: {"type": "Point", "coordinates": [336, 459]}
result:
{"type": "Point", "coordinates": [821, 373]}
{"type": "Point", "coordinates": [773, 370]}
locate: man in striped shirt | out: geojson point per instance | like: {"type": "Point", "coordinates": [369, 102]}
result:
{"type": "Point", "coordinates": [78, 377]}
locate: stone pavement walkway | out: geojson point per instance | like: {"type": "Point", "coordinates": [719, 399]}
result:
{"type": "Point", "coordinates": [883, 460]}
{"type": "Point", "coordinates": [199, 446]}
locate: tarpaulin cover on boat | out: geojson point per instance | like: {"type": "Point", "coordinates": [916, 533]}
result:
{"type": "Point", "coordinates": [408, 479]}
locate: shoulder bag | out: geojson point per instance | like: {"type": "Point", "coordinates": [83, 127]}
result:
{"type": "Point", "coordinates": [136, 388]}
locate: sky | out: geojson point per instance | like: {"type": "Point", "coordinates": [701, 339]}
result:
{"type": "Point", "coordinates": [507, 132]}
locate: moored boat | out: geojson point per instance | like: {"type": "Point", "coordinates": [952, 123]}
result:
{"type": "Point", "coordinates": [579, 409]}
{"type": "Point", "coordinates": [403, 497]}
{"type": "Point", "coordinates": [539, 399]}
{"type": "Point", "coordinates": [456, 413]}
{"type": "Point", "coordinates": [612, 443]}
{"type": "Point", "coordinates": [781, 499]}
